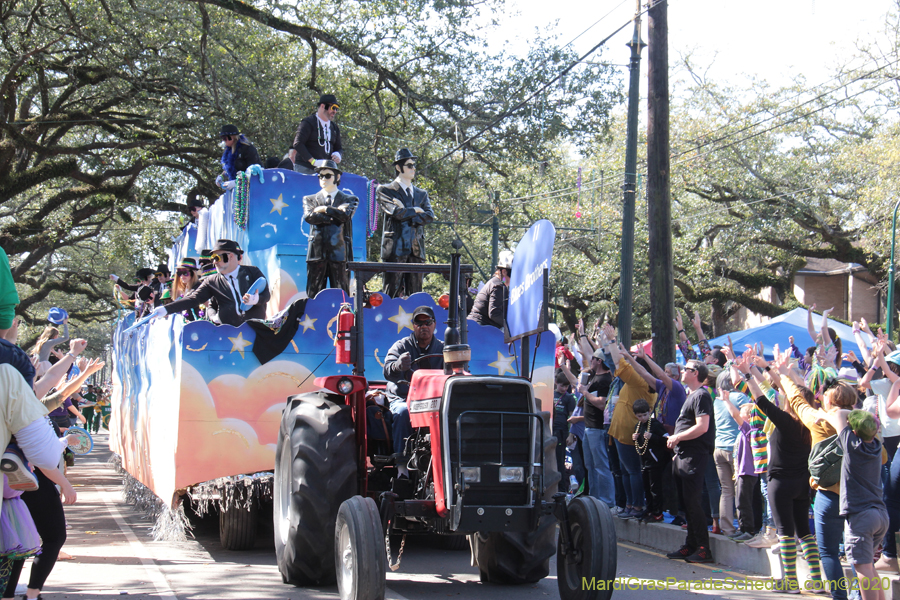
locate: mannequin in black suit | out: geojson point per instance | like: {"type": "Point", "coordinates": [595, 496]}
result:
{"type": "Point", "coordinates": [227, 287]}
{"type": "Point", "coordinates": [330, 214]}
{"type": "Point", "coordinates": [407, 209]}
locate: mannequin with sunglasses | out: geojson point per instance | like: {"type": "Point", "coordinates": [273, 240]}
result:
{"type": "Point", "coordinates": [407, 210]}
{"type": "Point", "coordinates": [318, 137]}
{"type": "Point", "coordinates": [237, 155]}
{"type": "Point", "coordinates": [330, 214]}
{"type": "Point", "coordinates": [225, 290]}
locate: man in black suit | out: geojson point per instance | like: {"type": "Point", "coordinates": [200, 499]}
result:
{"type": "Point", "coordinates": [228, 287]}
{"type": "Point", "coordinates": [318, 137]}
{"type": "Point", "coordinates": [330, 215]}
{"type": "Point", "coordinates": [407, 210]}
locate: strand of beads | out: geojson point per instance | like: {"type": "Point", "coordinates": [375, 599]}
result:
{"type": "Point", "coordinates": [241, 196]}
{"type": "Point", "coordinates": [372, 224]}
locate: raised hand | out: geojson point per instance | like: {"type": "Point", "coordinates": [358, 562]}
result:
{"type": "Point", "coordinates": [679, 324]}
{"type": "Point", "coordinates": [851, 356]}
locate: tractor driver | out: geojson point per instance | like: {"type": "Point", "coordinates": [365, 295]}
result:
{"type": "Point", "coordinates": [402, 359]}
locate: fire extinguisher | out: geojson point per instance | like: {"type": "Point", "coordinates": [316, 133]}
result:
{"type": "Point", "coordinates": [343, 354]}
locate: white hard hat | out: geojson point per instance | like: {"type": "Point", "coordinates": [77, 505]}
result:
{"type": "Point", "coordinates": [505, 260]}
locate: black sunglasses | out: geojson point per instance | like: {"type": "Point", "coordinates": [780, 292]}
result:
{"type": "Point", "coordinates": [226, 138]}
{"type": "Point", "coordinates": [182, 273]}
{"type": "Point", "coordinates": [410, 165]}
{"type": "Point", "coordinates": [326, 175]}
{"type": "Point", "coordinates": [424, 323]}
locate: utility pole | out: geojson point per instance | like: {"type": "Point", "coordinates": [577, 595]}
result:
{"type": "Point", "coordinates": [659, 201]}
{"type": "Point", "coordinates": [626, 279]}
{"type": "Point", "coordinates": [495, 232]}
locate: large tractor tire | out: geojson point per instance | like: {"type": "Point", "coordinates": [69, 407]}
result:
{"type": "Point", "coordinates": [360, 551]}
{"type": "Point", "coordinates": [594, 538]}
{"type": "Point", "coordinates": [237, 526]}
{"type": "Point", "coordinates": [522, 557]}
{"type": "Point", "coordinates": [315, 471]}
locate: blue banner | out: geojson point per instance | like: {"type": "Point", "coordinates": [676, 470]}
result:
{"type": "Point", "coordinates": [526, 286]}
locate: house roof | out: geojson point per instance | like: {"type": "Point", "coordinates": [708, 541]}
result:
{"type": "Point", "coordinates": [829, 266]}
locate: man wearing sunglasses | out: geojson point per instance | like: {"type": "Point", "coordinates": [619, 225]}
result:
{"type": "Point", "coordinates": [330, 214]}
{"type": "Point", "coordinates": [318, 137]}
{"type": "Point", "coordinates": [407, 210]}
{"type": "Point", "coordinates": [405, 357]}
{"type": "Point", "coordinates": [226, 289]}
{"type": "Point", "coordinates": [693, 443]}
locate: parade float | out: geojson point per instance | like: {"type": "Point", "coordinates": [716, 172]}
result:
{"type": "Point", "coordinates": [196, 407]}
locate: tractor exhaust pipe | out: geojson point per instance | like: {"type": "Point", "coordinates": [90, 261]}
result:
{"type": "Point", "coordinates": [456, 355]}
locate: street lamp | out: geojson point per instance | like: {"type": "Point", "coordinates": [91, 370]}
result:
{"type": "Point", "coordinates": [890, 298]}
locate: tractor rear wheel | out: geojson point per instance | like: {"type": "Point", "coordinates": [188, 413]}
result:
{"type": "Point", "coordinates": [315, 471]}
{"type": "Point", "coordinates": [522, 557]}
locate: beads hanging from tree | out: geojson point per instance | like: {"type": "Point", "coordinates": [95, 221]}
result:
{"type": "Point", "coordinates": [578, 202]}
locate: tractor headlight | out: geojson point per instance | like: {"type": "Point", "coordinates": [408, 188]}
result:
{"type": "Point", "coordinates": [470, 474]}
{"type": "Point", "coordinates": [345, 386]}
{"type": "Point", "coordinates": [512, 474]}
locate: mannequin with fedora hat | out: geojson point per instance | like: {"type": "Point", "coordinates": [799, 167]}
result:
{"type": "Point", "coordinates": [238, 154]}
{"type": "Point", "coordinates": [226, 289]}
{"type": "Point", "coordinates": [329, 213]}
{"type": "Point", "coordinates": [318, 137]}
{"type": "Point", "coordinates": [407, 209]}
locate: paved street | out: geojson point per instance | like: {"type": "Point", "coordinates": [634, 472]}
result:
{"type": "Point", "coordinates": [114, 556]}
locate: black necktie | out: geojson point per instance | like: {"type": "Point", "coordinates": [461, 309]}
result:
{"type": "Point", "coordinates": [237, 295]}
{"type": "Point", "coordinates": [409, 195]}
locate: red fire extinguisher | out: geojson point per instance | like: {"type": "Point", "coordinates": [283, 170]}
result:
{"type": "Point", "coordinates": [343, 355]}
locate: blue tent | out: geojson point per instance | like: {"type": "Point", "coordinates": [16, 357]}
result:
{"type": "Point", "coordinates": [779, 329]}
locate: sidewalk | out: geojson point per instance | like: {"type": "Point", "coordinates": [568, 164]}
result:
{"type": "Point", "coordinates": [763, 561]}
{"type": "Point", "coordinates": [114, 556]}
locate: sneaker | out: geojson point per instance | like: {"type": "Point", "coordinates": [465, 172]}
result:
{"type": "Point", "coordinates": [616, 511]}
{"type": "Point", "coordinates": [816, 586]}
{"type": "Point", "coordinates": [786, 586]}
{"type": "Point", "coordinates": [763, 540]}
{"type": "Point", "coordinates": [682, 553]}
{"type": "Point", "coordinates": [648, 518]}
{"type": "Point", "coordinates": [679, 520]}
{"type": "Point", "coordinates": [741, 536]}
{"type": "Point", "coordinates": [702, 555]}
{"type": "Point", "coordinates": [630, 513]}
{"type": "Point", "coordinates": [19, 476]}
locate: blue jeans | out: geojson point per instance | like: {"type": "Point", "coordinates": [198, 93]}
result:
{"type": "Point", "coordinates": [829, 532]}
{"type": "Point", "coordinates": [596, 462]}
{"type": "Point", "coordinates": [766, 509]}
{"type": "Point", "coordinates": [402, 428]}
{"type": "Point", "coordinates": [632, 479]}
{"type": "Point", "coordinates": [892, 502]}
{"type": "Point", "coordinates": [713, 488]}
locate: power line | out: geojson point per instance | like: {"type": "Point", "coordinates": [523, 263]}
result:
{"type": "Point", "coordinates": [791, 109]}
{"type": "Point", "coordinates": [559, 76]}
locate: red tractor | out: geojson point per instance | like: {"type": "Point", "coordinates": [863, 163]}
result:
{"type": "Point", "coordinates": [482, 469]}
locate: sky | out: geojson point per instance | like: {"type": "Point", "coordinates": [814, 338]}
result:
{"type": "Point", "coordinates": [772, 39]}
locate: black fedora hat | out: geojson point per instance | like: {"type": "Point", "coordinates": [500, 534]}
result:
{"type": "Point", "coordinates": [226, 246]}
{"type": "Point", "coordinates": [144, 273]}
{"type": "Point", "coordinates": [327, 99]}
{"type": "Point", "coordinates": [229, 130]}
{"type": "Point", "coordinates": [162, 269]}
{"type": "Point", "coordinates": [404, 154]}
{"type": "Point", "coordinates": [326, 164]}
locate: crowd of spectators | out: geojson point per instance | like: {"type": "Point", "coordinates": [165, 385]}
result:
{"type": "Point", "coordinates": [33, 388]}
{"type": "Point", "coordinates": [792, 452]}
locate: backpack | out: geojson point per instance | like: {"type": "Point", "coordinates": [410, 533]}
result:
{"type": "Point", "coordinates": [825, 462]}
